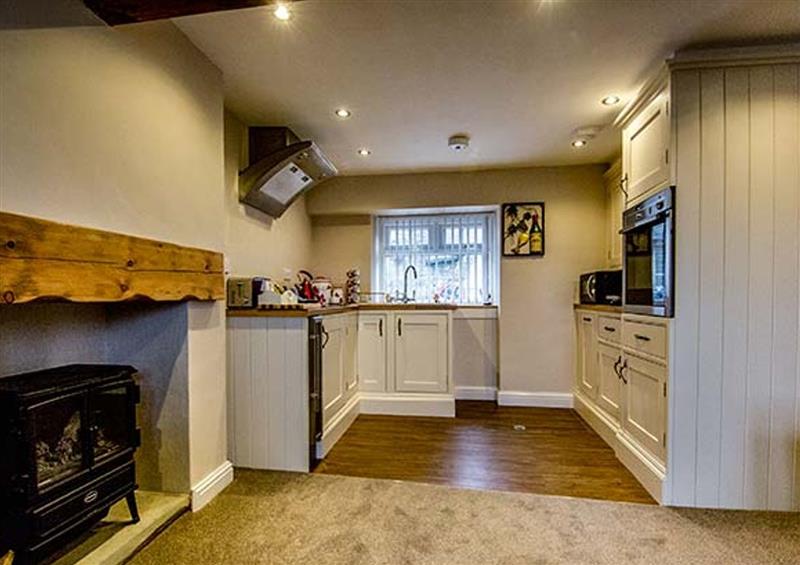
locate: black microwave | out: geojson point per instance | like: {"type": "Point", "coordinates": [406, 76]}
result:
{"type": "Point", "coordinates": [601, 287]}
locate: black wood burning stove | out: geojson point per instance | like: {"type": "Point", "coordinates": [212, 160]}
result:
{"type": "Point", "coordinates": [67, 439]}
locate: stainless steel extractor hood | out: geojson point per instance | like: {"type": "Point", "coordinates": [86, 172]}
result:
{"type": "Point", "coordinates": [281, 168]}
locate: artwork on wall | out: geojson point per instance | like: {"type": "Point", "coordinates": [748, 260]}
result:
{"type": "Point", "coordinates": [523, 229]}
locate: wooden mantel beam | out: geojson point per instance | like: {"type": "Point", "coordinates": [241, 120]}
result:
{"type": "Point", "coordinates": [117, 12]}
{"type": "Point", "coordinates": [40, 259]}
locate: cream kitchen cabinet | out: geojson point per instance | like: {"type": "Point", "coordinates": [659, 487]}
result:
{"type": "Point", "coordinates": [587, 354]}
{"type": "Point", "coordinates": [421, 352]}
{"type": "Point", "coordinates": [609, 360]}
{"type": "Point", "coordinates": [339, 376]}
{"type": "Point", "coordinates": [615, 205]}
{"type": "Point", "coordinates": [644, 403]}
{"type": "Point", "coordinates": [645, 148]}
{"type": "Point", "coordinates": [373, 354]}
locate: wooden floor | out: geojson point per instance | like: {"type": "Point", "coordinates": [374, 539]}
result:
{"type": "Point", "coordinates": [556, 453]}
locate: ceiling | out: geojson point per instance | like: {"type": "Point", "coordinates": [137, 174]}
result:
{"type": "Point", "coordinates": [517, 76]}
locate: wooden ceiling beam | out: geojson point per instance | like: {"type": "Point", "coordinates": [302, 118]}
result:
{"type": "Point", "coordinates": [118, 12]}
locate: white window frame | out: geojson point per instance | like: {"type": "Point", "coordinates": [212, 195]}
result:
{"type": "Point", "coordinates": [442, 218]}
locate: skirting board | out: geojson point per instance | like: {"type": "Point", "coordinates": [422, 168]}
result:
{"type": "Point", "coordinates": [211, 485]}
{"type": "Point", "coordinates": [534, 399]}
{"type": "Point", "coordinates": [409, 404]}
{"type": "Point", "coordinates": [600, 422]}
{"type": "Point", "coordinates": [338, 427]}
{"type": "Point", "coordinates": [476, 393]}
{"type": "Point", "coordinates": [646, 472]}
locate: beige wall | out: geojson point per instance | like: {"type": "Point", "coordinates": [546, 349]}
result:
{"type": "Point", "coordinates": [536, 330]}
{"type": "Point", "coordinates": [256, 244]}
{"type": "Point", "coordinates": [122, 129]}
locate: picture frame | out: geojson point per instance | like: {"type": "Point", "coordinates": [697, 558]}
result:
{"type": "Point", "coordinates": [522, 229]}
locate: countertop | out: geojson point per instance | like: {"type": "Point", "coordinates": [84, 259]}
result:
{"type": "Point", "coordinates": [307, 312]}
{"type": "Point", "coordinates": [599, 308]}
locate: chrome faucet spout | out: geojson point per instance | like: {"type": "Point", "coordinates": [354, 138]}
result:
{"type": "Point", "coordinates": [413, 269]}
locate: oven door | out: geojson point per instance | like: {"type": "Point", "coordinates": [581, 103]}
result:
{"type": "Point", "coordinates": [648, 267]}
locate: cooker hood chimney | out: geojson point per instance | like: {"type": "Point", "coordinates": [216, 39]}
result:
{"type": "Point", "coordinates": [281, 168]}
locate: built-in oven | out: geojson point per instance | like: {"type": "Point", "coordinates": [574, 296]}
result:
{"type": "Point", "coordinates": [648, 269]}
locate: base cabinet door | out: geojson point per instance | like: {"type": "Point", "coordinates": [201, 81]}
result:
{"type": "Point", "coordinates": [372, 352]}
{"type": "Point", "coordinates": [609, 359]}
{"type": "Point", "coordinates": [587, 358]}
{"type": "Point", "coordinates": [644, 403]}
{"type": "Point", "coordinates": [421, 352]}
{"type": "Point", "coordinates": [333, 381]}
{"type": "Point", "coordinates": [350, 355]}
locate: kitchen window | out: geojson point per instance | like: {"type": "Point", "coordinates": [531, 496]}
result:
{"type": "Point", "coordinates": [455, 255]}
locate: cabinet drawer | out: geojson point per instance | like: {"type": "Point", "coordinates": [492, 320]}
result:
{"type": "Point", "coordinates": [608, 328]}
{"type": "Point", "coordinates": [647, 338]}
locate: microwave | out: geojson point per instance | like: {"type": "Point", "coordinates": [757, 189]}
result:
{"type": "Point", "coordinates": [601, 287]}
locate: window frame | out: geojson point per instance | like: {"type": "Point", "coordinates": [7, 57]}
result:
{"type": "Point", "coordinates": [436, 244]}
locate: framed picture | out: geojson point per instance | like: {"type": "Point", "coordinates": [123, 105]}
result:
{"type": "Point", "coordinates": [523, 229]}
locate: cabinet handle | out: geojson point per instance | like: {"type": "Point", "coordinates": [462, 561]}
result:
{"type": "Point", "coordinates": [400, 327]}
{"type": "Point", "coordinates": [622, 371]}
{"type": "Point", "coordinates": [587, 319]}
{"type": "Point", "coordinates": [380, 327]}
{"type": "Point", "coordinates": [325, 335]}
{"type": "Point", "coordinates": [641, 337]}
{"type": "Point", "coordinates": [616, 366]}
{"type": "Point", "coordinates": [609, 329]}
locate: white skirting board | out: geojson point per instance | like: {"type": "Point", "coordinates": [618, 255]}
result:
{"type": "Point", "coordinates": [338, 426]}
{"type": "Point", "coordinates": [211, 485]}
{"type": "Point", "coordinates": [535, 399]}
{"type": "Point", "coordinates": [476, 393]}
{"type": "Point", "coordinates": [409, 404]}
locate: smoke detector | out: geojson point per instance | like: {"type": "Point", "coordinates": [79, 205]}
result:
{"type": "Point", "coordinates": [458, 143]}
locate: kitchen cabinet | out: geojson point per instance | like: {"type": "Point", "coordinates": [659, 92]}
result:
{"type": "Point", "coordinates": [621, 381]}
{"type": "Point", "coordinates": [372, 352]}
{"type": "Point", "coordinates": [421, 352]}
{"type": "Point", "coordinates": [609, 359]}
{"type": "Point", "coordinates": [587, 360]}
{"type": "Point", "coordinates": [645, 403]}
{"type": "Point", "coordinates": [339, 375]}
{"type": "Point", "coordinates": [645, 149]}
{"type": "Point", "coordinates": [615, 205]}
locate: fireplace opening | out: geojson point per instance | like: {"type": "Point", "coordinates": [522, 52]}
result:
{"type": "Point", "coordinates": [68, 436]}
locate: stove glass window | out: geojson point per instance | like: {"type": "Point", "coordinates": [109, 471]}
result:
{"type": "Point", "coordinates": [57, 437]}
{"type": "Point", "coordinates": [110, 417]}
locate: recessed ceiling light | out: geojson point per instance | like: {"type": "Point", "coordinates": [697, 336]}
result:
{"type": "Point", "coordinates": [282, 12]}
{"type": "Point", "coordinates": [364, 152]}
{"type": "Point", "coordinates": [578, 143]}
{"type": "Point", "coordinates": [343, 113]}
{"type": "Point", "coordinates": [610, 100]}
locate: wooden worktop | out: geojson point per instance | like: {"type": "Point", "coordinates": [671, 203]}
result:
{"type": "Point", "coordinates": [599, 308]}
{"type": "Point", "coordinates": [307, 312]}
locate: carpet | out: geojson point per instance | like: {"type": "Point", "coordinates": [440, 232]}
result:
{"type": "Point", "coordinates": [286, 518]}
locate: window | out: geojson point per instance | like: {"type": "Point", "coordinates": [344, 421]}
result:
{"type": "Point", "coordinates": [455, 256]}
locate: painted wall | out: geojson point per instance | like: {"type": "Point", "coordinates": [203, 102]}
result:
{"type": "Point", "coordinates": [122, 129]}
{"type": "Point", "coordinates": [256, 244]}
{"type": "Point", "coordinates": [735, 400]}
{"type": "Point", "coordinates": [536, 329]}
{"type": "Point", "coordinates": [475, 369]}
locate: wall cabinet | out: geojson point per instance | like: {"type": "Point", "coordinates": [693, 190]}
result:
{"type": "Point", "coordinates": [645, 149]}
{"type": "Point", "coordinates": [615, 205]}
{"type": "Point", "coordinates": [372, 352]}
{"type": "Point", "coordinates": [421, 352]}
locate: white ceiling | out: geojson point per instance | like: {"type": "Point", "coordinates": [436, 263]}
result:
{"type": "Point", "coordinates": [517, 76]}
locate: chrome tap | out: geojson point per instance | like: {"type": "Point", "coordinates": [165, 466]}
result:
{"type": "Point", "coordinates": [406, 299]}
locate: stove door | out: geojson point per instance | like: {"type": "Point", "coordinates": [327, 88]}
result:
{"type": "Point", "coordinates": [58, 432]}
{"type": "Point", "coordinates": [113, 421]}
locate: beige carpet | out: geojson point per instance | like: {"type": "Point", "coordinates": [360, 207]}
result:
{"type": "Point", "coordinates": [282, 518]}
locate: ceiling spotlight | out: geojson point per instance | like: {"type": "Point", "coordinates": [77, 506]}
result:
{"type": "Point", "coordinates": [579, 143]}
{"type": "Point", "coordinates": [458, 142]}
{"type": "Point", "coordinates": [364, 152]}
{"type": "Point", "coordinates": [282, 12]}
{"type": "Point", "coordinates": [343, 113]}
{"type": "Point", "coordinates": [610, 100]}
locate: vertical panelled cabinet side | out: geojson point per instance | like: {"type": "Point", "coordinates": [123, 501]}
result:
{"type": "Point", "coordinates": [734, 427]}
